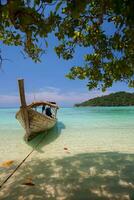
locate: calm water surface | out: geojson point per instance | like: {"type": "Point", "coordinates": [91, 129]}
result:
{"type": "Point", "coordinates": [79, 129]}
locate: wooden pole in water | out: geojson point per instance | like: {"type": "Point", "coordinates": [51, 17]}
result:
{"type": "Point", "coordinates": [24, 105]}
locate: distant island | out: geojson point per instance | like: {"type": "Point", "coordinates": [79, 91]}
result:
{"type": "Point", "coordinates": [113, 99]}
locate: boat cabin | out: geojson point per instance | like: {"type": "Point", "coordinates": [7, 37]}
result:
{"type": "Point", "coordinates": [46, 108]}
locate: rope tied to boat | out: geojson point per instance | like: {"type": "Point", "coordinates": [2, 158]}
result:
{"type": "Point", "coordinates": [18, 166]}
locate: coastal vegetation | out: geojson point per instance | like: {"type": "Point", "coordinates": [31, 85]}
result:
{"type": "Point", "coordinates": [113, 99]}
{"type": "Point", "coordinates": [109, 54]}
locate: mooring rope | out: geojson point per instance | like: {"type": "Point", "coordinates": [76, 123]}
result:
{"type": "Point", "coordinates": [21, 162]}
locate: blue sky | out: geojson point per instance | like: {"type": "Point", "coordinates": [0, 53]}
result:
{"type": "Point", "coordinates": [45, 80]}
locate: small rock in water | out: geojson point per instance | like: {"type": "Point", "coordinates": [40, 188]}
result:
{"type": "Point", "coordinates": [28, 183]}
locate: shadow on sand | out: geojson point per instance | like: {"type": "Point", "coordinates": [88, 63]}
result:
{"type": "Point", "coordinates": [45, 138]}
{"type": "Point", "coordinates": [87, 176]}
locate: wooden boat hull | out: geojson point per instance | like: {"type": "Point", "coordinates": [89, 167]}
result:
{"type": "Point", "coordinates": [38, 122]}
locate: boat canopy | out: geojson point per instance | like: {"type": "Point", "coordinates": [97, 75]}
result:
{"type": "Point", "coordinates": [41, 103]}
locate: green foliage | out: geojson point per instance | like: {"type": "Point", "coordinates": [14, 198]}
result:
{"type": "Point", "coordinates": [114, 99]}
{"type": "Point", "coordinates": [112, 57]}
{"type": "Point", "coordinates": [76, 24]}
{"type": "Point", "coordinates": [23, 23]}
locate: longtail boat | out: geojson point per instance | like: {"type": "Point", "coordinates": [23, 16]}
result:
{"type": "Point", "coordinates": [32, 117]}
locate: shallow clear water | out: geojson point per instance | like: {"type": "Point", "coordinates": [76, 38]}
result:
{"type": "Point", "coordinates": [80, 130]}
{"type": "Point", "coordinates": [87, 142]}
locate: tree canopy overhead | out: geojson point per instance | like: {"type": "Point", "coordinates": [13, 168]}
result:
{"type": "Point", "coordinates": [76, 23]}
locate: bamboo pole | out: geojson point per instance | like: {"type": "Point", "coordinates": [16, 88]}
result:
{"type": "Point", "coordinates": [24, 106]}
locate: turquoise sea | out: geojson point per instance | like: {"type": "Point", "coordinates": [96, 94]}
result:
{"type": "Point", "coordinates": [88, 155]}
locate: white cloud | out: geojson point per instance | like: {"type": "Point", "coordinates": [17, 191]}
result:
{"type": "Point", "coordinates": [63, 98]}
{"type": "Point", "coordinates": [51, 94]}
